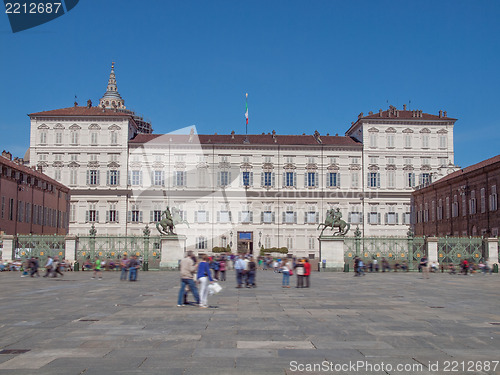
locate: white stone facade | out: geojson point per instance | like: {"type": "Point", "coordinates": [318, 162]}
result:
{"type": "Point", "coordinates": [268, 189]}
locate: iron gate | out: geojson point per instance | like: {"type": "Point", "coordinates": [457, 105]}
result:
{"type": "Point", "coordinates": [455, 249]}
{"type": "Point", "coordinates": [40, 246]}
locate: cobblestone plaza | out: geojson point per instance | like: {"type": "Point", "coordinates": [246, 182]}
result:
{"type": "Point", "coordinates": [75, 325]}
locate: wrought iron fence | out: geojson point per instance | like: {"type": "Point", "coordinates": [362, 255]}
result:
{"type": "Point", "coordinates": [455, 249]}
{"type": "Point", "coordinates": [396, 250]}
{"type": "Point", "coordinates": [113, 248]}
{"type": "Point", "coordinates": [41, 246]}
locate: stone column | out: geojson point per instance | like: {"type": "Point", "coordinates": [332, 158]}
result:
{"type": "Point", "coordinates": [491, 251]}
{"type": "Point", "coordinates": [8, 246]}
{"type": "Point", "coordinates": [70, 246]}
{"type": "Point", "coordinates": [173, 249]}
{"type": "Point", "coordinates": [331, 250]}
{"type": "Point", "coordinates": [432, 249]}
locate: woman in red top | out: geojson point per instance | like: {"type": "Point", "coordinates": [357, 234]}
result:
{"type": "Point", "coordinates": [307, 272]}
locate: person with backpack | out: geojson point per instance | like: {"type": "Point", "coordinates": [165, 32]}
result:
{"type": "Point", "coordinates": [300, 271]}
{"type": "Point", "coordinates": [252, 271]}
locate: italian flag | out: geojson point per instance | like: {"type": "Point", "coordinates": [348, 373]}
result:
{"type": "Point", "coordinates": [246, 108]}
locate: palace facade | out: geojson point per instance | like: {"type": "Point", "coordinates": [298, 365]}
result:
{"type": "Point", "coordinates": [261, 190]}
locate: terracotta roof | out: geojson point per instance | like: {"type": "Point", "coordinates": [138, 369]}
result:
{"type": "Point", "coordinates": [255, 139]}
{"type": "Point", "coordinates": [81, 111]}
{"type": "Point", "coordinates": [407, 115]}
{"type": "Point", "coordinates": [470, 169]}
{"type": "Point", "coordinates": [32, 172]}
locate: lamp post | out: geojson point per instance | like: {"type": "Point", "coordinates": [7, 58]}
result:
{"type": "Point", "coordinates": [231, 241]}
{"type": "Point", "coordinates": [260, 237]}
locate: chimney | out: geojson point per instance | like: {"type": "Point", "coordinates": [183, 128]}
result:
{"type": "Point", "coordinates": [191, 135]}
{"type": "Point", "coordinates": [370, 113]}
{"type": "Point", "coordinates": [274, 134]}
{"type": "Point", "coordinates": [76, 104]}
{"type": "Point", "coordinates": [232, 134]}
{"type": "Point", "coordinates": [89, 103]}
{"type": "Point", "coordinates": [445, 114]}
{"type": "Point", "coordinates": [380, 112]}
{"type": "Point", "coordinates": [360, 115]}
{"type": "Point", "coordinates": [404, 107]}
{"type": "Point", "coordinates": [440, 113]}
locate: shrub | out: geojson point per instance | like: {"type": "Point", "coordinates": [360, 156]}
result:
{"type": "Point", "coordinates": [281, 250]}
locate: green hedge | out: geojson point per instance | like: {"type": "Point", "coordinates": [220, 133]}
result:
{"type": "Point", "coordinates": [218, 249]}
{"type": "Point", "coordinates": [282, 250]}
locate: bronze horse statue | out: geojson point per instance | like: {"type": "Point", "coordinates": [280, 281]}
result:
{"type": "Point", "coordinates": [333, 220]}
{"type": "Point", "coordinates": [169, 220]}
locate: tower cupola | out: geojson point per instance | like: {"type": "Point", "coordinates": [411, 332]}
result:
{"type": "Point", "coordinates": [111, 98]}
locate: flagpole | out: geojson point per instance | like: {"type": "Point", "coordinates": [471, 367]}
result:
{"type": "Point", "coordinates": [246, 119]}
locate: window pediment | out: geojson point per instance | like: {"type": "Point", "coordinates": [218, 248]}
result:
{"type": "Point", "coordinates": [43, 126]}
{"type": "Point", "coordinates": [58, 126]}
{"type": "Point", "coordinates": [373, 130]}
{"type": "Point", "coordinates": [114, 127]}
{"type": "Point", "coordinates": [407, 130]}
{"type": "Point", "coordinates": [425, 131]}
{"type": "Point", "coordinates": [75, 127]}
{"type": "Point", "coordinates": [390, 130]}
{"type": "Point", "coordinates": [94, 127]}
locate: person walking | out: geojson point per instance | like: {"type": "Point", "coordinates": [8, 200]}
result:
{"type": "Point", "coordinates": [48, 266]}
{"type": "Point", "coordinates": [251, 273]}
{"type": "Point", "coordinates": [97, 268]}
{"type": "Point", "coordinates": [300, 270]}
{"type": "Point", "coordinates": [285, 270]}
{"type": "Point", "coordinates": [239, 266]}
{"type": "Point", "coordinates": [133, 266]}
{"type": "Point", "coordinates": [222, 268]}
{"type": "Point", "coordinates": [124, 268]}
{"type": "Point", "coordinates": [425, 267]}
{"type": "Point", "coordinates": [307, 272]}
{"type": "Point", "coordinates": [57, 267]}
{"type": "Point", "coordinates": [204, 276]}
{"type": "Point", "coordinates": [188, 270]}
{"type": "Point", "coordinates": [34, 267]}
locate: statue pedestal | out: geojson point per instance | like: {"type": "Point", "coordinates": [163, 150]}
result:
{"type": "Point", "coordinates": [331, 252]}
{"type": "Point", "coordinates": [173, 248]}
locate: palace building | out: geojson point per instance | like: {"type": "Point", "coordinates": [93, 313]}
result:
{"type": "Point", "coordinates": [260, 190]}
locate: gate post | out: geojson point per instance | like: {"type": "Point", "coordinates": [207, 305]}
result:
{"type": "Point", "coordinates": [491, 250]}
{"type": "Point", "coordinates": [410, 249]}
{"type": "Point", "coordinates": [8, 247]}
{"type": "Point", "coordinates": [432, 249]}
{"type": "Point", "coordinates": [70, 246]}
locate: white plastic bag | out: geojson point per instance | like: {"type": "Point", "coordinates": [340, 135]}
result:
{"type": "Point", "coordinates": [214, 288]}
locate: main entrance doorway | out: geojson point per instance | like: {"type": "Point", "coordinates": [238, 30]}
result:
{"type": "Point", "coordinates": [245, 242]}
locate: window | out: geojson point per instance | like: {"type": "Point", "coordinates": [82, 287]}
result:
{"type": "Point", "coordinates": [73, 173]}
{"type": "Point", "coordinates": [373, 217]}
{"type": "Point", "coordinates": [155, 216]}
{"type": "Point", "coordinates": [201, 243]}
{"type": "Point", "coordinates": [267, 217]}
{"type": "Point", "coordinates": [391, 160]}
{"type": "Point", "coordinates": [74, 137]}
{"type": "Point", "coordinates": [333, 179]}
{"type": "Point", "coordinates": [410, 179]}
{"type": "Point", "coordinates": [354, 160]}
{"type": "Point", "coordinates": [289, 160]}
{"type": "Point", "coordinates": [391, 178]}
{"type": "Point", "coordinates": [289, 179]}
{"type": "Point", "coordinates": [464, 205]}
{"type": "Point", "coordinates": [439, 212]}
{"type": "Point", "coordinates": [311, 217]}
{"type": "Point", "coordinates": [312, 243]}
{"type": "Point", "coordinates": [289, 243]}
{"type": "Point", "coordinates": [426, 161]}
{"type": "Point", "coordinates": [425, 140]}
{"type": "Point", "coordinates": [493, 199]}
{"type": "Point", "coordinates": [390, 140]}
{"type": "Point", "coordinates": [134, 215]}
{"type": "Point", "coordinates": [179, 178]}
{"type": "Point", "coordinates": [93, 177]}
{"type": "Point", "coordinates": [58, 138]}
{"type": "Point", "coordinates": [92, 215]}
{"type": "Point", "coordinates": [483, 200]}
{"type": "Point", "coordinates": [114, 138]}
{"type": "Point", "coordinates": [311, 160]}
{"type": "Point", "coordinates": [407, 218]}
{"type": "Point", "coordinates": [433, 211]}
{"type": "Point", "coordinates": [223, 158]}
{"type": "Point", "coordinates": [3, 207]}
{"type": "Point", "coordinates": [454, 206]}
{"type": "Point", "coordinates": [442, 140]}
{"type": "Point", "coordinates": [268, 179]}
{"type": "Point", "coordinates": [472, 202]}
{"type": "Point", "coordinates": [407, 140]}
{"type": "Point", "coordinates": [43, 157]}
{"type": "Point", "coordinates": [312, 179]}
{"type": "Point", "coordinates": [159, 178]}
{"type": "Point", "coordinates": [391, 217]}
{"type": "Point", "coordinates": [289, 216]}
{"type": "Point", "coordinates": [113, 178]}
{"type": "Point", "coordinates": [43, 137]}
{"type": "Point", "coordinates": [112, 214]}
{"type": "Point", "coordinates": [447, 207]}
{"type": "Point", "coordinates": [224, 178]}
{"type": "Point", "coordinates": [57, 174]}
{"type": "Point", "coordinates": [246, 159]}
{"type": "Point", "coordinates": [201, 216]}
{"type": "Point", "coordinates": [373, 139]}
{"type": "Point", "coordinates": [20, 211]}
{"type": "Point", "coordinates": [267, 159]}
{"type": "Point", "coordinates": [58, 157]}
{"type": "Point", "coordinates": [223, 241]}
{"type": "Point", "coordinates": [373, 160]}
{"type": "Point", "coordinates": [93, 138]}
{"type": "Point", "coordinates": [443, 162]}
{"type": "Point", "coordinates": [73, 157]}
{"type": "Point", "coordinates": [246, 217]}
{"type": "Point", "coordinates": [135, 178]}
{"type": "Point", "coordinates": [72, 212]}
{"type": "Point", "coordinates": [267, 242]}
{"type": "Point", "coordinates": [373, 179]}
{"type": "Point", "coordinates": [28, 213]}
{"type": "Point", "coordinates": [425, 179]}
{"type": "Point", "coordinates": [247, 179]}
{"type": "Point", "coordinates": [355, 216]}
{"type": "Point", "coordinates": [354, 179]}
{"type": "Point", "coordinates": [224, 216]}
{"type": "Point", "coordinates": [333, 159]}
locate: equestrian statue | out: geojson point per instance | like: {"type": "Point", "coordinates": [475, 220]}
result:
{"type": "Point", "coordinates": [169, 220]}
{"type": "Point", "coordinates": [333, 220]}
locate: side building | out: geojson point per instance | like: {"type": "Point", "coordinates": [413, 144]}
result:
{"type": "Point", "coordinates": [31, 202]}
{"type": "Point", "coordinates": [464, 203]}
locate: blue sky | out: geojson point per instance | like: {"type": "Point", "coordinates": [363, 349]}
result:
{"type": "Point", "coordinates": [306, 65]}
